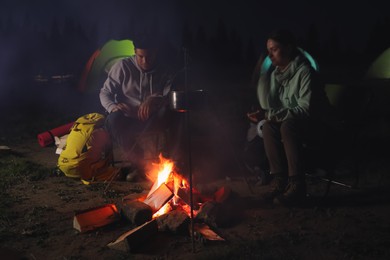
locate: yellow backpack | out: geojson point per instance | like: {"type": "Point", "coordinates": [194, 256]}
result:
{"type": "Point", "coordinates": [87, 153]}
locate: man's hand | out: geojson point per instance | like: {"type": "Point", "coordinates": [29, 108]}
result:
{"type": "Point", "coordinates": [149, 107]}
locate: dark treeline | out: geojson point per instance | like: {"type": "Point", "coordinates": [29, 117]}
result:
{"type": "Point", "coordinates": [28, 50]}
{"type": "Point", "coordinates": [226, 47]}
{"type": "Point", "coordinates": [63, 46]}
{"type": "Point", "coordinates": [333, 54]}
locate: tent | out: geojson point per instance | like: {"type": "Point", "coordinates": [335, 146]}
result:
{"type": "Point", "coordinates": [101, 61]}
{"type": "Point", "coordinates": [380, 68]}
{"type": "Point", "coordinates": [377, 84]}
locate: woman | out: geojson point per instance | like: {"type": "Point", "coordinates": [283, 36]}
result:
{"type": "Point", "coordinates": [285, 96]}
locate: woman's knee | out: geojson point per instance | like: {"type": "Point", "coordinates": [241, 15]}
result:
{"type": "Point", "coordinates": [291, 129]}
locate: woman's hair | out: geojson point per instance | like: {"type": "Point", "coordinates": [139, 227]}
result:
{"type": "Point", "coordinates": [284, 37]}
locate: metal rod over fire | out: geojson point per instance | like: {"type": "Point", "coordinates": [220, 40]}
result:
{"type": "Point", "coordinates": [188, 129]}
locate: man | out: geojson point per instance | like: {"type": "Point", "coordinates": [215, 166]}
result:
{"type": "Point", "coordinates": [134, 95]}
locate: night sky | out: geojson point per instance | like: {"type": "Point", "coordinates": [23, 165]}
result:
{"type": "Point", "coordinates": [352, 20]}
{"type": "Point", "coordinates": [252, 18]}
{"type": "Point", "coordinates": [46, 36]}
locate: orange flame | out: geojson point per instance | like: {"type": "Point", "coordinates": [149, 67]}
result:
{"type": "Point", "coordinates": [165, 209]}
{"type": "Point", "coordinates": [165, 172]}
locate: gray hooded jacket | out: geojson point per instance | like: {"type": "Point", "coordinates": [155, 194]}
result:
{"type": "Point", "coordinates": [128, 83]}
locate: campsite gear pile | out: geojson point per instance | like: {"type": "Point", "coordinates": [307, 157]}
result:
{"type": "Point", "coordinates": [48, 137]}
{"type": "Point", "coordinates": [88, 154]}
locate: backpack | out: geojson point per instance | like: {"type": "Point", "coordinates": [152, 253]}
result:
{"type": "Point", "coordinates": [87, 153]}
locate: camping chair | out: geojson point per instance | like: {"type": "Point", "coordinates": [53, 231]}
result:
{"type": "Point", "coordinates": [340, 143]}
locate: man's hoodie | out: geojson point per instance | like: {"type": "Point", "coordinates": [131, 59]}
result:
{"type": "Point", "coordinates": [128, 83]}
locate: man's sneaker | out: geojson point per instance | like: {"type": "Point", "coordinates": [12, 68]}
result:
{"type": "Point", "coordinates": [295, 193]}
{"type": "Point", "coordinates": [278, 186]}
{"type": "Point", "coordinates": [132, 176]}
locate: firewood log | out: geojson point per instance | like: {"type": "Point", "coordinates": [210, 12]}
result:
{"type": "Point", "coordinates": [132, 239]}
{"type": "Point", "coordinates": [175, 221]}
{"type": "Point", "coordinates": [159, 197]}
{"type": "Point", "coordinates": [136, 211]}
{"type": "Point", "coordinates": [93, 218]}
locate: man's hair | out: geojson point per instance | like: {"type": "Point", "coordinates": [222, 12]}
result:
{"type": "Point", "coordinates": [143, 41]}
{"type": "Point", "coordinates": [284, 37]}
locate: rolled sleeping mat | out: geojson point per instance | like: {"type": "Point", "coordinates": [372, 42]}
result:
{"type": "Point", "coordinates": [47, 138]}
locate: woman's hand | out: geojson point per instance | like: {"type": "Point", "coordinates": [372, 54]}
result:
{"type": "Point", "coordinates": [256, 116]}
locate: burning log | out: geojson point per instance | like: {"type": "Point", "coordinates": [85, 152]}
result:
{"type": "Point", "coordinates": [184, 194]}
{"type": "Point", "coordinates": [93, 218]}
{"type": "Point", "coordinates": [159, 197]}
{"type": "Point", "coordinates": [130, 240]}
{"type": "Point", "coordinates": [136, 211]}
{"type": "Point", "coordinates": [175, 221]}
{"type": "Point", "coordinates": [204, 233]}
{"type": "Point", "coordinates": [208, 213]}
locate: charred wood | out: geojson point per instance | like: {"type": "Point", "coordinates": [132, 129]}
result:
{"type": "Point", "coordinates": [134, 238]}
{"type": "Point", "coordinates": [184, 194]}
{"type": "Point", "coordinates": [219, 214]}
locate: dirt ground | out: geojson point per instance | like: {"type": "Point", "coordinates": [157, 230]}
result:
{"type": "Point", "coordinates": [350, 223]}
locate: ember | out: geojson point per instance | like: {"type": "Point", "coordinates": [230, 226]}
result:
{"type": "Point", "coordinates": [169, 190]}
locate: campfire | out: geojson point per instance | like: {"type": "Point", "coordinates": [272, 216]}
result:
{"type": "Point", "coordinates": [167, 207]}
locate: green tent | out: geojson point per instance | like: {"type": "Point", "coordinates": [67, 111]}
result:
{"type": "Point", "coordinates": [380, 68]}
{"type": "Point", "coordinates": [101, 61]}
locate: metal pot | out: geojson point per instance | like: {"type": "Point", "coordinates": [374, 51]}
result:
{"type": "Point", "coordinates": [183, 101]}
